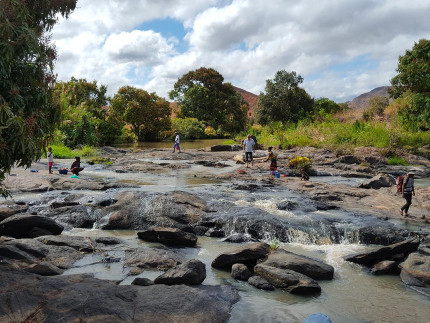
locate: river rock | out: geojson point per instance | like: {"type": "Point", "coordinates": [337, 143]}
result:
{"type": "Point", "coordinates": [260, 283]}
{"type": "Point", "coordinates": [247, 254]}
{"type": "Point", "coordinates": [44, 269]}
{"type": "Point", "coordinates": [80, 298]}
{"type": "Point", "coordinates": [151, 258]}
{"type": "Point", "coordinates": [191, 272]}
{"type": "Point", "coordinates": [380, 233]}
{"type": "Point", "coordinates": [240, 272]}
{"type": "Point", "coordinates": [169, 236]}
{"type": "Point", "coordinates": [24, 225]}
{"type": "Point", "coordinates": [383, 253]}
{"type": "Point", "coordinates": [142, 281]}
{"type": "Point", "coordinates": [73, 216]}
{"type": "Point", "coordinates": [239, 238]}
{"type": "Point", "coordinates": [76, 242]}
{"type": "Point", "coordinates": [290, 280]}
{"type": "Point", "coordinates": [239, 159]}
{"type": "Point", "coordinates": [140, 210]}
{"type": "Point", "coordinates": [417, 266]}
{"type": "Point", "coordinates": [221, 148]}
{"type": "Point", "coordinates": [378, 181]}
{"type": "Point", "coordinates": [312, 268]}
{"type": "Point", "coordinates": [7, 211]}
{"type": "Point", "coordinates": [108, 240]}
{"type": "Point", "coordinates": [385, 267]}
{"type": "Point", "coordinates": [348, 159]}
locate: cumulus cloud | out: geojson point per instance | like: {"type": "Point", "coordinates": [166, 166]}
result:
{"type": "Point", "coordinates": [341, 48]}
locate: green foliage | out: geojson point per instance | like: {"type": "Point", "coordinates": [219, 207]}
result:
{"type": "Point", "coordinates": [284, 100]}
{"type": "Point", "coordinates": [396, 160]}
{"type": "Point", "coordinates": [274, 245]}
{"type": "Point", "coordinates": [229, 142]}
{"type": "Point", "coordinates": [189, 128]}
{"type": "Point", "coordinates": [324, 107]}
{"type": "Point", "coordinates": [27, 115]}
{"type": "Point", "coordinates": [86, 120]}
{"type": "Point", "coordinates": [202, 94]}
{"type": "Point", "coordinates": [210, 132]}
{"type": "Point", "coordinates": [148, 114]}
{"type": "Point", "coordinates": [413, 82]}
{"type": "Point", "coordinates": [62, 152]}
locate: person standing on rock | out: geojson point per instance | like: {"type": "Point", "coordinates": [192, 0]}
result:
{"type": "Point", "coordinates": [176, 145]}
{"type": "Point", "coordinates": [407, 192]}
{"type": "Point", "coordinates": [248, 149]}
{"type": "Point", "coordinates": [50, 157]}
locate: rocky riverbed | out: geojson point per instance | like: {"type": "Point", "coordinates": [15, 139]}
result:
{"type": "Point", "coordinates": [211, 238]}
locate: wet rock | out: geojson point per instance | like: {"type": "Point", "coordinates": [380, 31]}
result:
{"type": "Point", "coordinates": [321, 206]}
{"type": "Point", "coordinates": [76, 242]}
{"type": "Point", "coordinates": [378, 160]}
{"type": "Point", "coordinates": [44, 269]}
{"type": "Point", "coordinates": [378, 181]}
{"type": "Point", "coordinates": [214, 233]}
{"type": "Point", "coordinates": [208, 163]}
{"type": "Point", "coordinates": [287, 205]}
{"type": "Point", "coordinates": [191, 272]}
{"type": "Point", "coordinates": [14, 253]}
{"type": "Point", "coordinates": [74, 216]}
{"type": "Point", "coordinates": [23, 225]}
{"type": "Point", "coordinates": [247, 254]}
{"type": "Point", "coordinates": [169, 236]}
{"type": "Point", "coordinates": [77, 298]}
{"type": "Point", "coordinates": [383, 234]}
{"type": "Point", "coordinates": [383, 253]}
{"type": "Point", "coordinates": [7, 211]}
{"type": "Point", "coordinates": [151, 258]}
{"type": "Point", "coordinates": [349, 159]}
{"type": "Point", "coordinates": [240, 272]}
{"type": "Point", "coordinates": [385, 267]}
{"type": "Point", "coordinates": [108, 240]}
{"type": "Point", "coordinates": [58, 204]}
{"type": "Point", "coordinates": [247, 187]}
{"type": "Point", "coordinates": [312, 268]}
{"type": "Point", "coordinates": [416, 268]}
{"type": "Point", "coordinates": [200, 230]}
{"type": "Point", "coordinates": [260, 283]}
{"type": "Point", "coordinates": [290, 280]}
{"type": "Point", "coordinates": [142, 282]}
{"type": "Point", "coordinates": [239, 238]}
{"type": "Point", "coordinates": [140, 210]}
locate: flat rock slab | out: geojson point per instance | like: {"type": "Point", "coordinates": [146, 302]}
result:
{"type": "Point", "coordinates": [191, 272]}
{"type": "Point", "coordinates": [371, 257]}
{"type": "Point", "coordinates": [75, 242]}
{"type": "Point", "coordinates": [246, 254]}
{"type": "Point", "coordinates": [289, 280]}
{"type": "Point", "coordinates": [417, 268]}
{"type": "Point", "coordinates": [169, 236]}
{"type": "Point", "coordinates": [29, 226]}
{"type": "Point", "coordinates": [312, 268]}
{"type": "Point", "coordinates": [80, 298]}
{"type": "Point", "coordinates": [378, 181]}
{"type": "Point", "coordinates": [385, 267]}
{"type": "Point", "coordinates": [152, 258]}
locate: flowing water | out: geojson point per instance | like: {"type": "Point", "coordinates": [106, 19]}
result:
{"type": "Point", "coordinates": [352, 296]}
{"type": "Point", "coordinates": [184, 144]}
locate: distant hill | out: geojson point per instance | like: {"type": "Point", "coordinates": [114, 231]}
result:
{"type": "Point", "coordinates": [249, 97]}
{"type": "Point", "coordinates": [361, 102]}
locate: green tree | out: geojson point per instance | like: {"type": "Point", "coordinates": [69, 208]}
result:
{"type": "Point", "coordinates": [324, 107]}
{"type": "Point", "coordinates": [377, 106]}
{"type": "Point", "coordinates": [86, 117]}
{"type": "Point", "coordinates": [202, 94]}
{"type": "Point", "coordinates": [147, 113]}
{"type": "Point", "coordinates": [27, 115]}
{"type": "Point", "coordinates": [189, 128]}
{"type": "Point", "coordinates": [284, 100]}
{"type": "Point", "coordinates": [413, 82]}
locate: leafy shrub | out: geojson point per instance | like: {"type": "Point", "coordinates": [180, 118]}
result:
{"type": "Point", "coordinates": [210, 132]}
{"type": "Point", "coordinates": [229, 142]}
{"type": "Point", "coordinates": [189, 128]}
{"type": "Point", "coordinates": [300, 162]}
{"type": "Point", "coordinates": [396, 160]}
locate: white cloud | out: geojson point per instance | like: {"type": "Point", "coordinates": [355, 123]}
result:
{"type": "Point", "coordinates": [246, 41]}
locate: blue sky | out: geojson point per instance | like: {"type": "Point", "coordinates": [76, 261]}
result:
{"type": "Point", "coordinates": [341, 48]}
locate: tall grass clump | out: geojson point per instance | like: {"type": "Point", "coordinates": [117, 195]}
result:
{"type": "Point", "coordinates": [64, 152]}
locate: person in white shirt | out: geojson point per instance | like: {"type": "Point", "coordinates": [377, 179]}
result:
{"type": "Point", "coordinates": [176, 145]}
{"type": "Point", "coordinates": [248, 149]}
{"type": "Point", "coordinates": [50, 157]}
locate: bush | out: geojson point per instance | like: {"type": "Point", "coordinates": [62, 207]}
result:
{"type": "Point", "coordinates": [300, 162]}
{"type": "Point", "coordinates": [189, 128]}
{"type": "Point", "coordinates": [396, 160]}
{"type": "Point", "coordinates": [64, 152]}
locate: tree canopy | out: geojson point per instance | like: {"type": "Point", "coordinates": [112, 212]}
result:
{"type": "Point", "coordinates": [413, 84]}
{"type": "Point", "coordinates": [284, 100]}
{"type": "Point", "coordinates": [27, 115]}
{"type": "Point", "coordinates": [202, 94]}
{"type": "Point", "coordinates": [147, 113]}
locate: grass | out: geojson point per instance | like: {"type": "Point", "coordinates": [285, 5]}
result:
{"type": "Point", "coordinates": [63, 152]}
{"type": "Point", "coordinates": [396, 160]}
{"type": "Point", "coordinates": [229, 142]}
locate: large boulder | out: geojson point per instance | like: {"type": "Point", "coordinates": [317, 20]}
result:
{"type": "Point", "coordinates": [315, 269]}
{"type": "Point", "coordinates": [416, 268]}
{"type": "Point", "coordinates": [378, 181]}
{"type": "Point", "coordinates": [247, 254]}
{"type": "Point", "coordinates": [376, 255]}
{"type": "Point", "coordinates": [260, 283]}
{"type": "Point", "coordinates": [191, 272]}
{"type": "Point", "coordinates": [240, 272]}
{"type": "Point", "coordinates": [289, 280]}
{"type": "Point", "coordinates": [169, 236]}
{"type": "Point", "coordinates": [81, 298]}
{"type": "Point", "coordinates": [385, 267]}
{"type": "Point", "coordinates": [141, 211]}
{"type": "Point", "coordinates": [29, 226]}
{"type": "Point", "coordinates": [72, 216]}
{"type": "Point", "coordinates": [151, 258]}
{"type": "Point", "coordinates": [9, 210]}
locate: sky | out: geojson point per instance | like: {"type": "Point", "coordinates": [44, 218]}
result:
{"type": "Point", "coordinates": [342, 48]}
